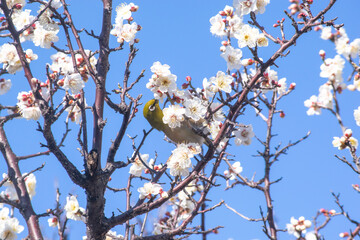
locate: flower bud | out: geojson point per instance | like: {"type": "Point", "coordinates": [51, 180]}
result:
{"type": "Point", "coordinates": [282, 114]}
{"type": "Point", "coordinates": [292, 86]}
{"type": "Point", "coordinates": [343, 234]}
{"type": "Point", "coordinates": [322, 54]}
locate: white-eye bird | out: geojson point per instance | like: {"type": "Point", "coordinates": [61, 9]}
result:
{"type": "Point", "coordinates": [183, 134]}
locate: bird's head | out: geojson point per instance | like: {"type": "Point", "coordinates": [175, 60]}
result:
{"type": "Point", "coordinates": [153, 113]}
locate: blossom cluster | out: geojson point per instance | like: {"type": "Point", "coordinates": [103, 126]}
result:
{"type": "Point", "coordinates": [332, 70]}
{"type": "Point", "coordinates": [345, 141]}
{"type": "Point", "coordinates": [10, 191]}
{"type": "Point", "coordinates": [125, 32]}
{"type": "Point", "coordinates": [73, 210]}
{"type": "Point", "coordinates": [182, 206]}
{"type": "Point", "coordinates": [9, 226]}
{"type": "Point", "coordinates": [297, 227]}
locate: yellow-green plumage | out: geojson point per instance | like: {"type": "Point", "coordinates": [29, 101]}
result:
{"type": "Point", "coordinates": [183, 134]}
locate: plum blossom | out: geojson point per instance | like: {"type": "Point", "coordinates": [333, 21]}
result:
{"type": "Point", "coordinates": [332, 68]}
{"type": "Point", "coordinates": [222, 81]}
{"type": "Point", "coordinates": [53, 222]}
{"type": "Point", "coordinates": [9, 228]}
{"type": "Point", "coordinates": [173, 116]}
{"type": "Point", "coordinates": [195, 108]}
{"type": "Point", "coordinates": [262, 40]}
{"type": "Point", "coordinates": [357, 116]}
{"type": "Point", "coordinates": [260, 5]}
{"type": "Point", "coordinates": [72, 82]}
{"type": "Point", "coordinates": [162, 81]}
{"type": "Point", "coordinates": [124, 11]}
{"type": "Point", "coordinates": [244, 7]}
{"type": "Point", "coordinates": [233, 171]}
{"type": "Point", "coordinates": [281, 86]}
{"type": "Point", "coordinates": [43, 37]}
{"type": "Point", "coordinates": [243, 135]}
{"type": "Point", "coordinates": [232, 57]}
{"type": "Point", "coordinates": [180, 160]}
{"type": "Point", "coordinates": [149, 190]}
{"type": "Point", "coordinates": [247, 36]}
{"type": "Point", "coordinates": [217, 26]}
{"type": "Point", "coordinates": [137, 166]}
{"type": "Point", "coordinates": [326, 33]}
{"type": "Point", "coordinates": [297, 227]}
{"type": "Point", "coordinates": [345, 141]}
{"type": "Point", "coordinates": [5, 85]}
{"type": "Point", "coordinates": [27, 106]}
{"type": "Point", "coordinates": [73, 210]}
{"type": "Point", "coordinates": [314, 106]}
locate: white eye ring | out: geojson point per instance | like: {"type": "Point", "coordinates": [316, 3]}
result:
{"type": "Point", "coordinates": [152, 108]}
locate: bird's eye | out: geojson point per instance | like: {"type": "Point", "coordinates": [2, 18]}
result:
{"type": "Point", "coordinates": [152, 108]}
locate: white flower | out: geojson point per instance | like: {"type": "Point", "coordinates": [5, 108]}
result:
{"type": "Point", "coordinates": [123, 11]}
{"type": "Point", "coordinates": [244, 7]}
{"type": "Point", "coordinates": [243, 135]}
{"type": "Point", "coordinates": [281, 86]}
{"type": "Point", "coordinates": [313, 105]}
{"type": "Point", "coordinates": [325, 96]}
{"type": "Point", "coordinates": [339, 142]}
{"type": "Point", "coordinates": [53, 222]}
{"type": "Point", "coordinates": [149, 190]}
{"type": "Point", "coordinates": [217, 26]}
{"type": "Point", "coordinates": [110, 235]}
{"type": "Point", "coordinates": [195, 108]}
{"type": "Point", "coordinates": [357, 116]}
{"type": "Point", "coordinates": [214, 128]}
{"type": "Point", "coordinates": [233, 171]}
{"type": "Point", "coordinates": [311, 236]}
{"type": "Point", "coordinates": [222, 81]}
{"type": "Point", "coordinates": [5, 85]}
{"type": "Point", "coordinates": [209, 88]}
{"type": "Point", "coordinates": [173, 116]}
{"type": "Point", "coordinates": [260, 5]}
{"type": "Point", "coordinates": [332, 68]}
{"type": "Point", "coordinates": [247, 36]}
{"type": "Point", "coordinates": [162, 81]}
{"type": "Point", "coordinates": [73, 82]}
{"type": "Point", "coordinates": [128, 32]}
{"type": "Point", "coordinates": [298, 226]}
{"type": "Point", "coordinates": [27, 106]}
{"type": "Point", "coordinates": [4, 214]}
{"type": "Point", "coordinates": [30, 182]}
{"type": "Point", "coordinates": [74, 110]}
{"type": "Point", "coordinates": [137, 166]}
{"type": "Point", "coordinates": [10, 228]}
{"type": "Point", "coordinates": [326, 33]}
{"type": "Point", "coordinates": [343, 47]}
{"type": "Point", "coordinates": [56, 4]}
{"type": "Point", "coordinates": [180, 161]}
{"type": "Point", "coordinates": [61, 63]}
{"type": "Point", "coordinates": [355, 48]}
{"type": "Point", "coordinates": [73, 210]}
{"type": "Point", "coordinates": [10, 58]}
{"type": "Point", "coordinates": [11, 3]}
{"type": "Point", "coordinates": [232, 57]}
{"type": "Point", "coordinates": [218, 115]}
{"type": "Point", "coordinates": [44, 38]}
{"type": "Point", "coordinates": [235, 23]}
{"type": "Point", "coordinates": [262, 41]}
{"type": "Point", "coordinates": [22, 18]}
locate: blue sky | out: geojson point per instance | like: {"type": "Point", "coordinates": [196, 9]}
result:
{"type": "Point", "coordinates": [177, 33]}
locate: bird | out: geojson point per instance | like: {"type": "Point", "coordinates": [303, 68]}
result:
{"type": "Point", "coordinates": [183, 134]}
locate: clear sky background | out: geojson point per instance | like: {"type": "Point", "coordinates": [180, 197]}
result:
{"type": "Point", "coordinates": [177, 33]}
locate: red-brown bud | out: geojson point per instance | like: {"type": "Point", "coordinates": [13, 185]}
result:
{"type": "Point", "coordinates": [282, 114]}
